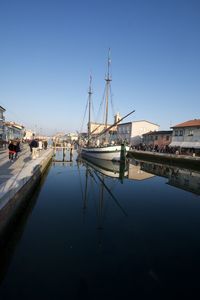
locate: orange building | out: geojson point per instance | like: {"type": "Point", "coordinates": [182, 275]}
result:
{"type": "Point", "coordinates": [157, 138]}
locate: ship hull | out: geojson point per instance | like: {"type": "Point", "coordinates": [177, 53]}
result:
{"type": "Point", "coordinates": [106, 153]}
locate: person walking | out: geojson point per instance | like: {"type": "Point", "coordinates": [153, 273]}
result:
{"type": "Point", "coordinates": [33, 147]}
{"type": "Point", "coordinates": [17, 148]}
{"type": "Point", "coordinates": [40, 145]}
{"type": "Point", "coordinates": [45, 145]}
{"type": "Point", "coordinates": [12, 150]}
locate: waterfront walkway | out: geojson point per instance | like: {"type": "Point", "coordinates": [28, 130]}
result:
{"type": "Point", "coordinates": [9, 169]}
{"type": "Point", "coordinates": [13, 175]}
{"type": "Point", "coordinates": [186, 161]}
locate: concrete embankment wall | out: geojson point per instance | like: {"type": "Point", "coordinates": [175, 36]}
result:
{"type": "Point", "coordinates": [171, 159]}
{"type": "Point", "coordinates": [16, 191]}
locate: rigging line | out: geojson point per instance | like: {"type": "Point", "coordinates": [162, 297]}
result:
{"type": "Point", "coordinates": [112, 103]}
{"type": "Point", "coordinates": [80, 179]}
{"type": "Point", "coordinates": [104, 112]}
{"type": "Point", "coordinates": [111, 194]}
{"type": "Point", "coordinates": [85, 202]}
{"type": "Point", "coordinates": [84, 116]}
{"type": "Point", "coordinates": [92, 108]}
{"type": "Point", "coordinates": [89, 182]}
{"type": "Point", "coordinates": [101, 104]}
{"type": "Point", "coordinates": [93, 177]}
{"type": "Point", "coordinates": [96, 128]}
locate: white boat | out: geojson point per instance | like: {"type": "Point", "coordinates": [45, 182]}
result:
{"type": "Point", "coordinates": [113, 152]}
{"type": "Point", "coordinates": [108, 152]}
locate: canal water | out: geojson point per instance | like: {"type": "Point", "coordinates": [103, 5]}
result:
{"type": "Point", "coordinates": [104, 231]}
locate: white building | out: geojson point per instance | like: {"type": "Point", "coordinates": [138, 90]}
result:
{"type": "Point", "coordinates": [13, 131]}
{"type": "Point", "coordinates": [186, 135]}
{"type": "Point", "coordinates": [71, 136]}
{"type": "Point", "coordinates": [132, 131]}
{"type": "Point", "coordinates": [28, 134]}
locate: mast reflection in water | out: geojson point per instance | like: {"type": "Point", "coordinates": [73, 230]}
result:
{"type": "Point", "coordinates": [109, 231]}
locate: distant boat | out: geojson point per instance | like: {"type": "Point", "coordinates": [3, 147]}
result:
{"type": "Point", "coordinates": [106, 151]}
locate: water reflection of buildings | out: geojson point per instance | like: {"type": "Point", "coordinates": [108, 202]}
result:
{"type": "Point", "coordinates": [185, 179]}
{"type": "Point", "coordinates": [136, 173]}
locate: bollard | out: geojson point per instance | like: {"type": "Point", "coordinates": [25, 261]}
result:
{"type": "Point", "coordinates": [123, 152]}
{"type": "Point", "coordinates": [63, 154]}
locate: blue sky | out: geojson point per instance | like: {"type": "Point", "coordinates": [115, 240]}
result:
{"type": "Point", "coordinates": [48, 48]}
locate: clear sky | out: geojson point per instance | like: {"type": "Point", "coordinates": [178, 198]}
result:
{"type": "Point", "coordinates": [48, 48]}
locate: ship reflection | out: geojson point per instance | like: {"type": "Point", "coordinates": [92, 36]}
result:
{"type": "Point", "coordinates": [98, 187]}
{"type": "Point", "coordinates": [108, 168]}
{"type": "Point", "coordinates": [182, 178]}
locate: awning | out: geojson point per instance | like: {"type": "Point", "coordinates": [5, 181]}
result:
{"type": "Point", "coordinates": [175, 144]}
{"type": "Point", "coordinates": [195, 145]}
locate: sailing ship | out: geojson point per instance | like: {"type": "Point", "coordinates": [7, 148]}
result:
{"type": "Point", "coordinates": [106, 151]}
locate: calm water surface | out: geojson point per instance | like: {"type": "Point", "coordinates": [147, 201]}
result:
{"type": "Point", "coordinates": [89, 236]}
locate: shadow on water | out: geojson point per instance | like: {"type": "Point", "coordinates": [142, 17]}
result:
{"type": "Point", "coordinates": [13, 232]}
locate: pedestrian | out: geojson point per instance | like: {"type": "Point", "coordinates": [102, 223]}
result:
{"type": "Point", "coordinates": [33, 147]}
{"type": "Point", "coordinates": [40, 145]}
{"type": "Point", "coordinates": [17, 148]}
{"type": "Point", "coordinates": [12, 150]}
{"type": "Point", "coordinates": [45, 145]}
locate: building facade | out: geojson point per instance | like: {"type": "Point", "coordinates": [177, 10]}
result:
{"type": "Point", "coordinates": [132, 132]}
{"type": "Point", "coordinates": [13, 131]}
{"type": "Point", "coordinates": [186, 136]}
{"type": "Point", "coordinates": [28, 135]}
{"type": "Point", "coordinates": [159, 139]}
{"type": "Point", "coordinates": [2, 129]}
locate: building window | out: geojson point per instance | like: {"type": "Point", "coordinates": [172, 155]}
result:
{"type": "Point", "coordinates": [190, 132]}
{"type": "Point", "coordinates": [156, 137]}
{"type": "Point", "coordinates": [167, 137]}
{"type": "Point", "coordinates": [176, 132]}
{"type": "Point", "coordinates": [181, 132]}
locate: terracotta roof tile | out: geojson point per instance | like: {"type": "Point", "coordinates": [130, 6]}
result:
{"type": "Point", "coordinates": [190, 123]}
{"type": "Point", "coordinates": [158, 132]}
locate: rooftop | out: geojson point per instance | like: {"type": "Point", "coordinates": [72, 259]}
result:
{"type": "Point", "coordinates": [158, 132]}
{"type": "Point", "coordinates": [190, 123]}
{"type": "Point", "coordinates": [137, 122]}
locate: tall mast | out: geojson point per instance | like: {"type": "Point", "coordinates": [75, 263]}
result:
{"type": "Point", "coordinates": [108, 80]}
{"type": "Point", "coordinates": [89, 111]}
